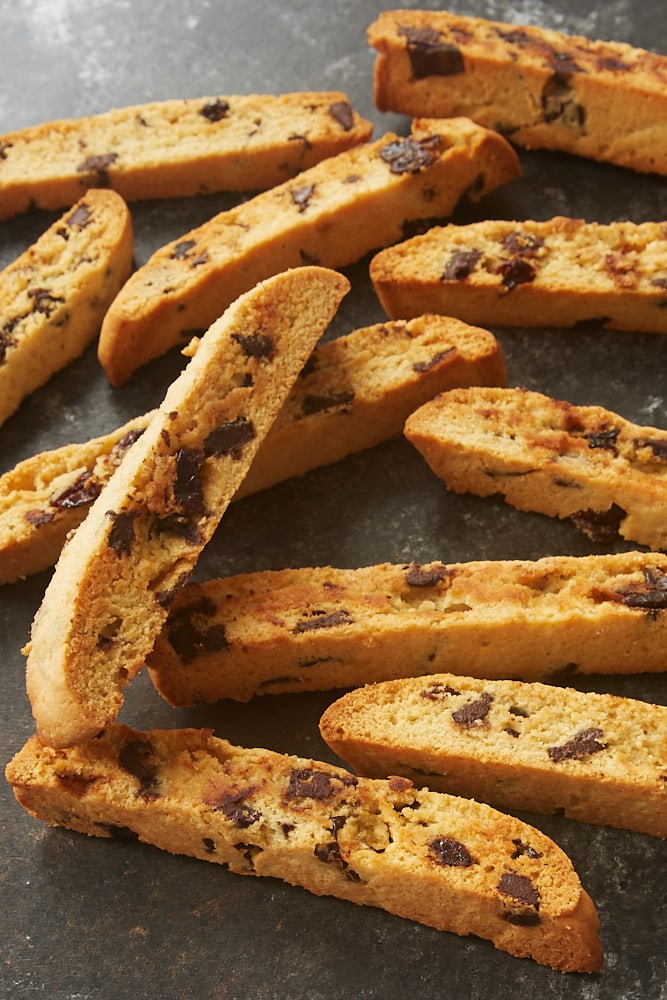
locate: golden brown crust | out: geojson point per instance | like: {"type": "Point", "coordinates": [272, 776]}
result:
{"type": "Point", "coordinates": [115, 578]}
{"type": "Point", "coordinates": [333, 213]}
{"type": "Point", "coordinates": [592, 757]}
{"type": "Point", "coordinates": [546, 455]}
{"type": "Point", "coordinates": [321, 628]}
{"type": "Point", "coordinates": [446, 862]}
{"type": "Point", "coordinates": [177, 148]}
{"type": "Point", "coordinates": [559, 272]}
{"type": "Point", "coordinates": [540, 88]}
{"type": "Point", "coordinates": [54, 295]}
{"type": "Point", "coordinates": [356, 391]}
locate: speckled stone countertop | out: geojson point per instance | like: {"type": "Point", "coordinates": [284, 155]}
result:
{"type": "Point", "coordinates": [94, 919]}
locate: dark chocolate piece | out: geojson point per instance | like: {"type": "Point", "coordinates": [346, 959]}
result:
{"type": "Point", "coordinates": [82, 492]}
{"type": "Point", "coordinates": [430, 55]}
{"type": "Point", "coordinates": [323, 620]}
{"type": "Point", "coordinates": [230, 437]}
{"type": "Point", "coordinates": [341, 111]}
{"type": "Point", "coordinates": [408, 155]}
{"type": "Point", "coordinates": [215, 111]}
{"type": "Point", "coordinates": [581, 745]}
{"type": "Point", "coordinates": [474, 711]}
{"type": "Point", "coordinates": [461, 265]}
{"type": "Point", "coordinates": [450, 853]}
{"type": "Point", "coordinates": [426, 576]}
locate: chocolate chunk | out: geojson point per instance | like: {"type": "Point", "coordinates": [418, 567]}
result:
{"type": "Point", "coordinates": [519, 887]}
{"type": "Point", "coordinates": [4, 147]}
{"type": "Point", "coordinates": [121, 534]}
{"type": "Point", "coordinates": [139, 758]}
{"type": "Point", "coordinates": [526, 849]}
{"type": "Point", "coordinates": [341, 111]}
{"type": "Point", "coordinates": [521, 243]}
{"type": "Point", "coordinates": [584, 743]}
{"type": "Point", "coordinates": [235, 809]}
{"type": "Point", "coordinates": [6, 341]}
{"type": "Point", "coordinates": [425, 366]}
{"type": "Point", "coordinates": [209, 845]}
{"type": "Point", "coordinates": [599, 526]}
{"type": "Point", "coordinates": [98, 165]}
{"type": "Point", "coordinates": [657, 445]}
{"type": "Point", "coordinates": [474, 711]}
{"type": "Point", "coordinates": [558, 103]}
{"type": "Point", "coordinates": [254, 345]}
{"type": "Point", "coordinates": [301, 196]}
{"type": "Point", "coordinates": [651, 595]}
{"type": "Point", "coordinates": [517, 271]}
{"type": "Point", "coordinates": [450, 853]}
{"type": "Point", "coordinates": [605, 437]}
{"type": "Point", "coordinates": [188, 492]}
{"type": "Point", "coordinates": [182, 249]}
{"type": "Point", "coordinates": [521, 712]}
{"type": "Point", "coordinates": [312, 403]}
{"type": "Point", "coordinates": [305, 783]}
{"type": "Point", "coordinates": [330, 854]}
{"type": "Point", "coordinates": [429, 55]}
{"type": "Point", "coordinates": [43, 300]}
{"type": "Point", "coordinates": [524, 918]}
{"type": "Point", "coordinates": [461, 265]}
{"type": "Point", "coordinates": [426, 576]}
{"type": "Point", "coordinates": [230, 437]}
{"type": "Point", "coordinates": [80, 216]}
{"type": "Point", "coordinates": [39, 517]}
{"type": "Point", "coordinates": [215, 111]}
{"type": "Point", "coordinates": [435, 691]}
{"type": "Point", "coordinates": [188, 639]}
{"type": "Point", "coordinates": [322, 620]}
{"type": "Point", "coordinates": [408, 155]}
{"type": "Point", "coordinates": [127, 440]}
{"type": "Point", "coordinates": [82, 492]}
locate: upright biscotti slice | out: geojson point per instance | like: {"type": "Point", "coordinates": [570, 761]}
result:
{"type": "Point", "coordinates": [547, 455]}
{"type": "Point", "coordinates": [118, 573]}
{"type": "Point", "coordinates": [315, 629]}
{"type": "Point", "coordinates": [332, 214]}
{"type": "Point", "coordinates": [592, 757]}
{"type": "Point", "coordinates": [446, 862]}
{"type": "Point", "coordinates": [540, 88]}
{"type": "Point", "coordinates": [176, 148]}
{"type": "Point", "coordinates": [555, 273]}
{"type": "Point", "coordinates": [53, 297]}
{"type": "Point", "coordinates": [356, 391]}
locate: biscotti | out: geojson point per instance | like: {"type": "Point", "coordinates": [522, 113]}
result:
{"type": "Point", "coordinates": [48, 495]}
{"type": "Point", "coordinates": [446, 862]}
{"type": "Point", "coordinates": [358, 390]}
{"type": "Point", "coordinates": [332, 214]}
{"type": "Point", "coordinates": [54, 295]}
{"type": "Point", "coordinates": [540, 88]}
{"type": "Point", "coordinates": [355, 391]}
{"type": "Point", "coordinates": [546, 455]}
{"type": "Point", "coordinates": [320, 628]}
{"type": "Point", "coordinates": [176, 148]}
{"type": "Point", "coordinates": [592, 757]}
{"type": "Point", "coordinates": [121, 568]}
{"type": "Point", "coordinates": [555, 273]}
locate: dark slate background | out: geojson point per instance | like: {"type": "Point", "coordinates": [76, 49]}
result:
{"type": "Point", "coordinates": [81, 918]}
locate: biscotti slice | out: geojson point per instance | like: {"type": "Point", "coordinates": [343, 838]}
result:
{"type": "Point", "coordinates": [319, 628]}
{"type": "Point", "coordinates": [592, 757]}
{"type": "Point", "coordinates": [331, 214]}
{"type": "Point", "coordinates": [48, 495]}
{"type": "Point", "coordinates": [120, 569]}
{"type": "Point", "coordinates": [53, 297]}
{"type": "Point", "coordinates": [176, 148]}
{"type": "Point", "coordinates": [555, 273]}
{"type": "Point", "coordinates": [443, 861]}
{"type": "Point", "coordinates": [355, 391]}
{"type": "Point", "coordinates": [540, 88]}
{"type": "Point", "coordinates": [359, 389]}
{"type": "Point", "coordinates": [586, 463]}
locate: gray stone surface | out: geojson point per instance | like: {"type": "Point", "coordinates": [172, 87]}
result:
{"type": "Point", "coordinates": [88, 919]}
